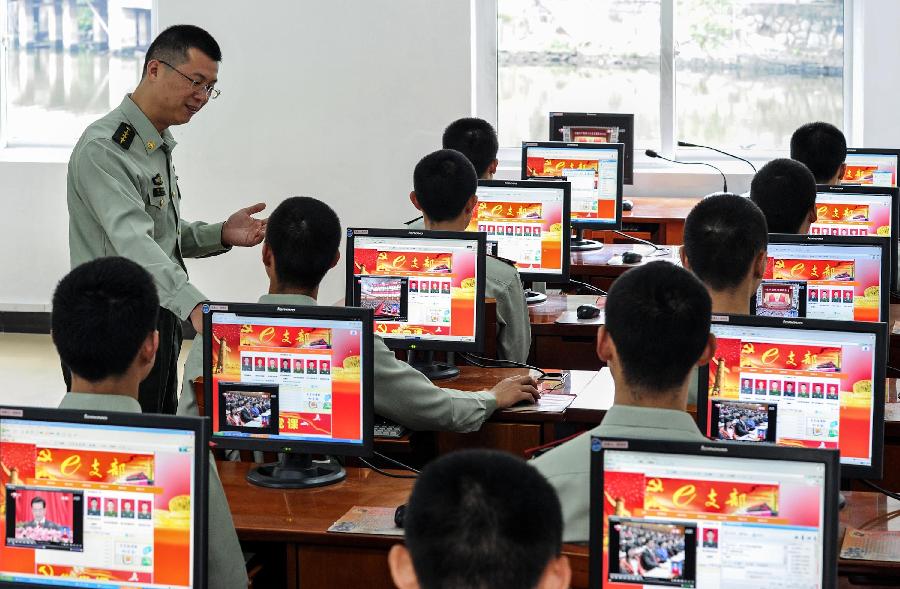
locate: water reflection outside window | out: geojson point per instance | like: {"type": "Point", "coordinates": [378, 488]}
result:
{"type": "Point", "coordinates": [67, 63]}
{"type": "Point", "coordinates": [747, 72]}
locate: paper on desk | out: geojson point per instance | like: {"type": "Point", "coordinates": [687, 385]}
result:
{"type": "Point", "coordinates": [367, 520]}
{"type": "Point", "coordinates": [871, 545]}
{"type": "Point", "coordinates": [548, 403]}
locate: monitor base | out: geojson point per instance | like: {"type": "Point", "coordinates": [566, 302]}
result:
{"type": "Point", "coordinates": [533, 298]}
{"type": "Point", "coordinates": [436, 370]}
{"type": "Point", "coordinates": [296, 471]}
{"type": "Point", "coordinates": [584, 245]}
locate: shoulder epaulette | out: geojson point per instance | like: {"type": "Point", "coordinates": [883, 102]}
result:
{"type": "Point", "coordinates": [124, 135]}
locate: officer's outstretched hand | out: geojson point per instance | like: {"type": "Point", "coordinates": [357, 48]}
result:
{"type": "Point", "coordinates": [242, 230]}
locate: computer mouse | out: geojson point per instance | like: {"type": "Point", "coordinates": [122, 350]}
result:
{"type": "Point", "coordinates": [627, 205]}
{"type": "Point", "coordinates": [631, 258]}
{"type": "Point", "coordinates": [587, 312]}
{"type": "Point", "coordinates": [399, 515]}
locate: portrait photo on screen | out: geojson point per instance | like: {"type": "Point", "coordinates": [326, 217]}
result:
{"type": "Point", "coordinates": [746, 422]}
{"type": "Point", "coordinates": [250, 408]}
{"type": "Point", "coordinates": [42, 518]}
{"type": "Point", "coordinates": [658, 553]}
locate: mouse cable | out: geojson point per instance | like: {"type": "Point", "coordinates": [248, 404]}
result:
{"type": "Point", "coordinates": [396, 462]}
{"type": "Point", "coordinates": [386, 473]}
{"type": "Point", "coordinates": [644, 241]}
{"type": "Point", "coordinates": [588, 286]}
{"type": "Point", "coordinates": [496, 361]}
{"type": "Point", "coordinates": [881, 490]}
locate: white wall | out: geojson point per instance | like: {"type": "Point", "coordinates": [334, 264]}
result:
{"type": "Point", "coordinates": [335, 99]}
{"type": "Point", "coordinates": [303, 80]}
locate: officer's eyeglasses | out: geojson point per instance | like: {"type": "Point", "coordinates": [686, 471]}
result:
{"type": "Point", "coordinates": [211, 92]}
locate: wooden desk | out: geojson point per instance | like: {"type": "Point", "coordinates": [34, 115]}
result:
{"type": "Point", "coordinates": [516, 432]}
{"type": "Point", "coordinates": [570, 346]}
{"type": "Point", "coordinates": [593, 266]}
{"type": "Point", "coordinates": [658, 219]}
{"type": "Point", "coordinates": [299, 519]}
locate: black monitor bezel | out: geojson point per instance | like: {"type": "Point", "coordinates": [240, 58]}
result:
{"type": "Point", "coordinates": [874, 151]}
{"type": "Point", "coordinates": [563, 274]}
{"type": "Point", "coordinates": [880, 330]}
{"type": "Point", "coordinates": [557, 120]}
{"type": "Point", "coordinates": [590, 224]}
{"type": "Point", "coordinates": [717, 449]}
{"type": "Point", "coordinates": [299, 312]}
{"type": "Point", "coordinates": [199, 426]}
{"type": "Point", "coordinates": [894, 239]}
{"type": "Point", "coordinates": [884, 306]}
{"type": "Point", "coordinates": [430, 345]}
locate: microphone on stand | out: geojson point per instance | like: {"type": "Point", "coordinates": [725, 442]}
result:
{"type": "Point", "coordinates": [737, 157]}
{"type": "Point", "coordinates": [653, 154]}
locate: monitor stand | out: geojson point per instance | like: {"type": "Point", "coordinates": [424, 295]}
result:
{"type": "Point", "coordinates": [533, 297]}
{"type": "Point", "coordinates": [296, 471]}
{"type": "Point", "coordinates": [580, 244]}
{"type": "Point", "coordinates": [431, 368]}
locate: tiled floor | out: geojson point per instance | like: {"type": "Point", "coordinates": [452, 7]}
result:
{"type": "Point", "coordinates": [29, 370]}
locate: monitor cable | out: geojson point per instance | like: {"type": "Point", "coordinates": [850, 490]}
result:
{"type": "Point", "coordinates": [390, 474]}
{"type": "Point", "coordinates": [590, 287]}
{"type": "Point", "coordinates": [496, 362]}
{"type": "Point", "coordinates": [644, 241]}
{"type": "Point", "coordinates": [881, 490]}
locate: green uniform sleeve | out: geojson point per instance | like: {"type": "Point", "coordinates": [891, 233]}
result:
{"type": "Point", "coordinates": [513, 323]}
{"type": "Point", "coordinates": [225, 559]}
{"type": "Point", "coordinates": [104, 185]}
{"type": "Point", "coordinates": [201, 240]}
{"type": "Point", "coordinates": [193, 369]}
{"type": "Point", "coordinates": [406, 396]}
{"type": "Point", "coordinates": [567, 468]}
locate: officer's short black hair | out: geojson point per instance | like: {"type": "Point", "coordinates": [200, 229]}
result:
{"type": "Point", "coordinates": [723, 234]}
{"type": "Point", "coordinates": [466, 527]}
{"type": "Point", "coordinates": [172, 45]}
{"type": "Point", "coordinates": [103, 311]}
{"type": "Point", "coordinates": [474, 138]}
{"type": "Point", "coordinates": [821, 147]}
{"type": "Point", "coordinates": [304, 235]}
{"type": "Point", "coordinates": [444, 181]}
{"type": "Point", "coordinates": [785, 191]}
{"type": "Point", "coordinates": [658, 317]}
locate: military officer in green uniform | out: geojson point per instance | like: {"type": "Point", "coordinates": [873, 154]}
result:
{"type": "Point", "coordinates": [123, 196]}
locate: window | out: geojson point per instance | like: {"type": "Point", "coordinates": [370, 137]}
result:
{"type": "Point", "coordinates": [740, 74]}
{"type": "Point", "coordinates": [66, 63]}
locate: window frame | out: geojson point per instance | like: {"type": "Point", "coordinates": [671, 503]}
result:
{"type": "Point", "coordinates": [28, 152]}
{"type": "Point", "coordinates": [486, 104]}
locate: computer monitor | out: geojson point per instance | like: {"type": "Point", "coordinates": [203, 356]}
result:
{"type": "Point", "coordinates": [102, 499]}
{"type": "Point", "coordinates": [597, 127]}
{"type": "Point", "coordinates": [825, 277]}
{"type": "Point", "coordinates": [290, 379]}
{"type": "Point", "coordinates": [688, 514]}
{"type": "Point", "coordinates": [527, 221]}
{"type": "Point", "coordinates": [595, 171]}
{"type": "Point", "coordinates": [859, 210]}
{"type": "Point", "coordinates": [871, 167]}
{"type": "Point", "coordinates": [827, 379]}
{"type": "Point", "coordinates": [426, 289]}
